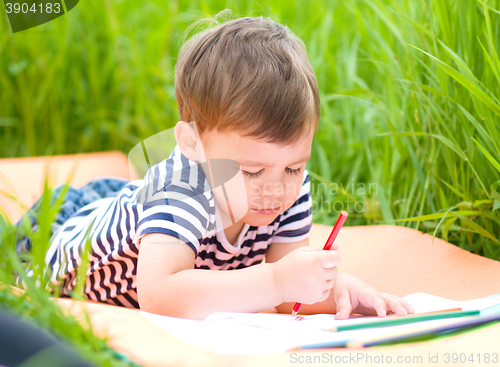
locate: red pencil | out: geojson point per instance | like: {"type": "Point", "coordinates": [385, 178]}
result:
{"type": "Point", "coordinates": [329, 242]}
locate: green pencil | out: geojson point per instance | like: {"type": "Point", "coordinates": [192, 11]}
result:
{"type": "Point", "coordinates": [400, 320]}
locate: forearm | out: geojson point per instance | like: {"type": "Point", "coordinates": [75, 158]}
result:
{"type": "Point", "coordinates": [196, 293]}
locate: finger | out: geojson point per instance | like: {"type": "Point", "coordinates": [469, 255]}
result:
{"type": "Point", "coordinates": [312, 248]}
{"type": "Point", "coordinates": [328, 259]}
{"type": "Point", "coordinates": [344, 306]}
{"type": "Point", "coordinates": [399, 310]}
{"type": "Point", "coordinates": [398, 305]}
{"type": "Point", "coordinates": [329, 284]}
{"type": "Point", "coordinates": [335, 246]}
{"type": "Point", "coordinates": [379, 306]}
{"type": "Point", "coordinates": [394, 304]}
{"type": "Point", "coordinates": [407, 305]}
{"type": "Point", "coordinates": [329, 274]}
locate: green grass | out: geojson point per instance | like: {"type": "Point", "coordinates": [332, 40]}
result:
{"type": "Point", "coordinates": [410, 126]}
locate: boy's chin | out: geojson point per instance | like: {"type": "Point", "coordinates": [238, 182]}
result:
{"type": "Point", "coordinates": [257, 219]}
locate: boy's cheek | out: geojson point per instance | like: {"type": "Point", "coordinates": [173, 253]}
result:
{"type": "Point", "coordinates": [252, 189]}
{"type": "Point", "coordinates": [235, 192]}
{"type": "Point", "coordinates": [292, 188]}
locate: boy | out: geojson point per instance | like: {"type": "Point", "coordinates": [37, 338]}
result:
{"type": "Point", "coordinates": [251, 97]}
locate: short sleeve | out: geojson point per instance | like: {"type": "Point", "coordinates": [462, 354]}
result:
{"type": "Point", "coordinates": [176, 210]}
{"type": "Point", "coordinates": [296, 222]}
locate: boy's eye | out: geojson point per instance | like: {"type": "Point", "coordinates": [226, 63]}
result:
{"type": "Point", "coordinates": [253, 174]}
{"type": "Point", "coordinates": [257, 174]}
{"type": "Point", "coordinates": [293, 171]}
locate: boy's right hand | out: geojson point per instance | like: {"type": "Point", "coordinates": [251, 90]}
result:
{"type": "Point", "coordinates": [306, 274]}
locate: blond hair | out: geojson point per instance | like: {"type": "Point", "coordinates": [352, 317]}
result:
{"type": "Point", "coordinates": [251, 75]}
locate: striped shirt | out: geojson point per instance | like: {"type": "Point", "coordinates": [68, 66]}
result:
{"type": "Point", "coordinates": [174, 198]}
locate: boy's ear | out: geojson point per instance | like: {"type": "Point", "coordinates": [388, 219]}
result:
{"type": "Point", "coordinates": [189, 141]}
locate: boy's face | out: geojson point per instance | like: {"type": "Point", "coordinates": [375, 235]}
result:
{"type": "Point", "coordinates": [272, 174]}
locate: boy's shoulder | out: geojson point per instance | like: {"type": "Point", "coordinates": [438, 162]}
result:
{"type": "Point", "coordinates": [176, 170]}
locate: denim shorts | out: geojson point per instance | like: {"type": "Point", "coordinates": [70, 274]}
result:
{"type": "Point", "coordinates": [74, 200]}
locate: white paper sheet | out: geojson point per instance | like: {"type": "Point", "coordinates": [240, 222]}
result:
{"type": "Point", "coordinates": [261, 333]}
{"type": "Point", "coordinates": [423, 302]}
{"type": "Point", "coordinates": [224, 335]}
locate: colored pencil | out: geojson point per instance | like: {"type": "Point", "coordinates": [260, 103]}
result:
{"type": "Point", "coordinates": [490, 310]}
{"type": "Point", "coordinates": [426, 330]}
{"type": "Point", "coordinates": [408, 319]}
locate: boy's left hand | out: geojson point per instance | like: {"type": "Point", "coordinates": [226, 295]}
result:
{"type": "Point", "coordinates": [351, 294]}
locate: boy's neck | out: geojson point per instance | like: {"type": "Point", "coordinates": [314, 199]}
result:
{"type": "Point", "coordinates": [233, 232]}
